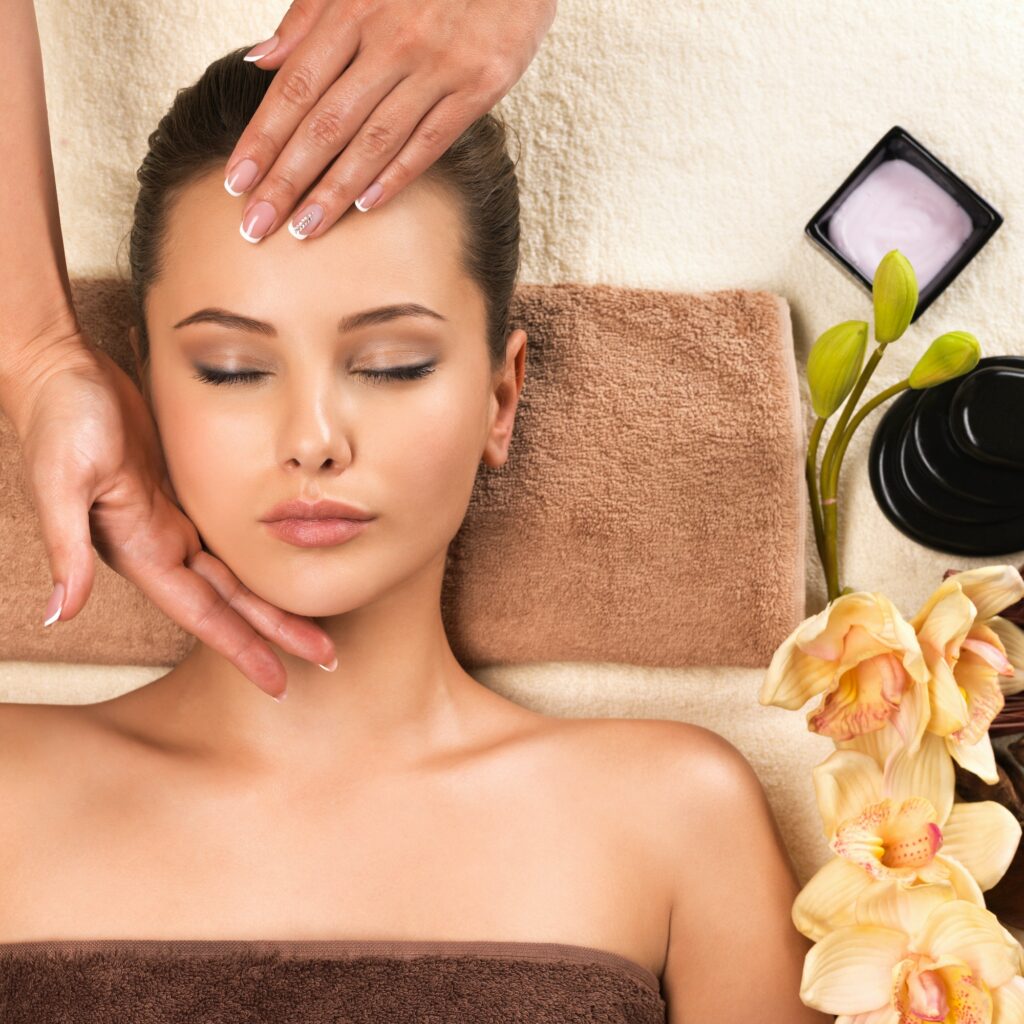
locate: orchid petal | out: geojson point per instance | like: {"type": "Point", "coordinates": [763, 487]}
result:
{"type": "Point", "coordinates": [826, 902]}
{"type": "Point", "coordinates": [878, 745]}
{"type": "Point", "coordinates": [902, 907]}
{"type": "Point", "coordinates": [991, 588]}
{"type": "Point", "coordinates": [850, 969]}
{"type": "Point", "coordinates": [964, 884]}
{"type": "Point", "coordinates": [947, 623]}
{"type": "Point", "coordinates": [913, 836]}
{"type": "Point", "coordinates": [859, 838]}
{"type": "Point", "coordinates": [911, 719]}
{"type": "Point", "coordinates": [971, 934]}
{"type": "Point", "coordinates": [1011, 636]}
{"type": "Point", "coordinates": [953, 993]}
{"type": "Point", "coordinates": [884, 1015]}
{"type": "Point", "coordinates": [866, 698]}
{"type": "Point", "coordinates": [928, 773]}
{"type": "Point", "coordinates": [887, 1014]}
{"type": "Point", "coordinates": [844, 783]}
{"type": "Point", "coordinates": [986, 645]}
{"type": "Point", "coordinates": [976, 757]}
{"type": "Point", "coordinates": [984, 697]}
{"type": "Point", "coordinates": [983, 836]}
{"type": "Point", "coordinates": [948, 706]}
{"type": "Point", "coordinates": [1008, 1002]}
{"type": "Point", "coordinates": [793, 676]}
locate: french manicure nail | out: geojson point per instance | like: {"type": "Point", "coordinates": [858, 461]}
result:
{"type": "Point", "coordinates": [305, 224]}
{"type": "Point", "coordinates": [241, 176]}
{"type": "Point", "coordinates": [369, 197]}
{"type": "Point", "coordinates": [55, 604]}
{"type": "Point", "coordinates": [257, 223]}
{"type": "Point", "coordinates": [267, 46]}
{"type": "Point", "coordinates": [330, 666]}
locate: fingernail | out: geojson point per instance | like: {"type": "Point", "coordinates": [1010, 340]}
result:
{"type": "Point", "coordinates": [55, 604]}
{"type": "Point", "coordinates": [257, 222]}
{"type": "Point", "coordinates": [262, 49]}
{"type": "Point", "coordinates": [241, 176]}
{"type": "Point", "coordinates": [305, 224]}
{"type": "Point", "coordinates": [281, 696]}
{"type": "Point", "coordinates": [330, 666]}
{"type": "Point", "coordinates": [369, 197]}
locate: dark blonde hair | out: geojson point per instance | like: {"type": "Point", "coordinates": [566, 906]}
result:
{"type": "Point", "coordinates": [200, 130]}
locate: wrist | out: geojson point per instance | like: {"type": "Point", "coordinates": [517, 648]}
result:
{"type": "Point", "coordinates": [24, 371]}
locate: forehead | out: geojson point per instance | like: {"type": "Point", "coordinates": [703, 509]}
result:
{"type": "Point", "coordinates": [406, 250]}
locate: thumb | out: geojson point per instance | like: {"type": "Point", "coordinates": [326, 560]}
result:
{"type": "Point", "coordinates": [64, 525]}
{"type": "Point", "coordinates": [294, 27]}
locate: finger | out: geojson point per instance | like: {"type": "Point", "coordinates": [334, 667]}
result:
{"type": "Point", "coordinates": [432, 137]}
{"type": "Point", "coordinates": [395, 145]}
{"type": "Point", "coordinates": [62, 503]}
{"type": "Point", "coordinates": [300, 17]}
{"type": "Point", "coordinates": [305, 76]}
{"type": "Point", "coordinates": [339, 121]}
{"type": "Point", "coordinates": [188, 599]}
{"type": "Point", "coordinates": [293, 633]}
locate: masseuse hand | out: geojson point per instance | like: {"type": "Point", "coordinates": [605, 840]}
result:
{"type": "Point", "coordinates": [421, 72]}
{"type": "Point", "coordinates": [96, 473]}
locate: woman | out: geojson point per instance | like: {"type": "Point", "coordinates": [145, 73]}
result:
{"type": "Point", "coordinates": [395, 797]}
{"type": "Point", "coordinates": [390, 85]}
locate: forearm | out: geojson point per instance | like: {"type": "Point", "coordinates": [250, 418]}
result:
{"type": "Point", "coordinates": [37, 319]}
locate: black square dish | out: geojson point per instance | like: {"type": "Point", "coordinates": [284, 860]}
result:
{"type": "Point", "coordinates": [898, 144]}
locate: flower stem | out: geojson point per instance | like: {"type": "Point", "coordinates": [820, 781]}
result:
{"type": "Point", "coordinates": [810, 472]}
{"type": "Point", "coordinates": [830, 476]}
{"type": "Point", "coordinates": [873, 403]}
{"type": "Point", "coordinates": [830, 484]}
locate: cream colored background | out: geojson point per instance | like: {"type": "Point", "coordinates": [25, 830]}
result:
{"type": "Point", "coordinates": [672, 145]}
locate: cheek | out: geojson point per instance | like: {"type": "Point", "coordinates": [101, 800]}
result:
{"type": "Point", "coordinates": [427, 459]}
{"type": "Point", "coordinates": [208, 477]}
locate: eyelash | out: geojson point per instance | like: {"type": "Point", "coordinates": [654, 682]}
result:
{"type": "Point", "coordinates": [211, 376]}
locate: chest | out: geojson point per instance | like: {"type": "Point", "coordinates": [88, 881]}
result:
{"type": "Point", "coordinates": [466, 856]}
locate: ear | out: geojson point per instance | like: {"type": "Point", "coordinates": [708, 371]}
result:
{"type": "Point", "coordinates": [508, 387]}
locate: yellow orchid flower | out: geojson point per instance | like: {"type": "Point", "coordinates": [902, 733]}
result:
{"type": "Point", "coordinates": [946, 961]}
{"type": "Point", "coordinates": [966, 658]}
{"type": "Point", "coordinates": [900, 827]}
{"type": "Point", "coordinates": [866, 658]}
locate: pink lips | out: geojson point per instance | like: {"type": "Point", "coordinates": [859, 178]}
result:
{"type": "Point", "coordinates": [316, 533]}
{"type": "Point", "coordinates": [316, 524]}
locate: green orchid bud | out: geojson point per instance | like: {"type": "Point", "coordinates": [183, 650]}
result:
{"type": "Point", "coordinates": [894, 292]}
{"type": "Point", "coordinates": [835, 363]}
{"type": "Point", "coordinates": [948, 356]}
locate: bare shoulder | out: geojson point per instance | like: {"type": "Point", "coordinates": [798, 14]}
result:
{"type": "Point", "coordinates": [728, 875]}
{"type": "Point", "coordinates": [682, 764]}
{"type": "Point", "coordinates": [675, 779]}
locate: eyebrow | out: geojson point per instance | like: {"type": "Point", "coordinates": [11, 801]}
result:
{"type": "Point", "coordinates": [367, 318]}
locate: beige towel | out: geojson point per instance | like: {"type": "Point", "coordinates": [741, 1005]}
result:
{"type": "Point", "coordinates": [652, 510]}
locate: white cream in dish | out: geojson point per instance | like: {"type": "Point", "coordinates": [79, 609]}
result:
{"type": "Point", "coordinates": [897, 206]}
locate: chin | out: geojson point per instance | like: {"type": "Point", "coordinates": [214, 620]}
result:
{"type": "Point", "coordinates": [325, 595]}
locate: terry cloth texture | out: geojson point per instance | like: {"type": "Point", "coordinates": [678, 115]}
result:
{"type": "Point", "coordinates": [153, 981]}
{"type": "Point", "coordinates": [652, 510]}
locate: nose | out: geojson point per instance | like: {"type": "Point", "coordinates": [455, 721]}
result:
{"type": "Point", "coordinates": [313, 439]}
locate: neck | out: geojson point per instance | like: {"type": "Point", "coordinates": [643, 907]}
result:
{"type": "Point", "coordinates": [397, 696]}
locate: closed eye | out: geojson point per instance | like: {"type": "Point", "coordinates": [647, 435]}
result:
{"type": "Point", "coordinates": [211, 376]}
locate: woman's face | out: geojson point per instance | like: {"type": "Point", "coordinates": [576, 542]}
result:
{"type": "Point", "coordinates": [317, 423]}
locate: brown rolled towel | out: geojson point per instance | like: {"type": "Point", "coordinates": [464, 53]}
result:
{"type": "Point", "coordinates": [331, 981]}
{"type": "Point", "coordinates": [657, 464]}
